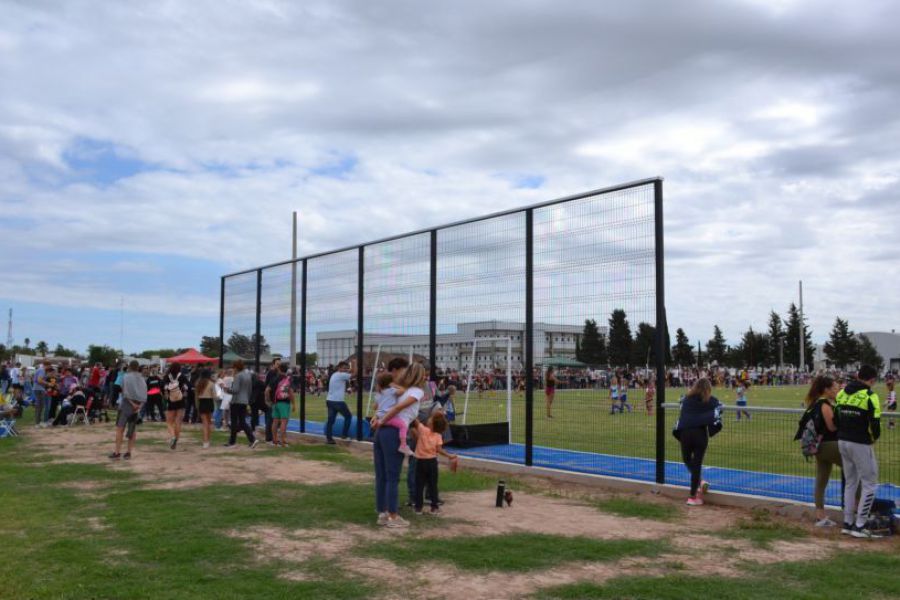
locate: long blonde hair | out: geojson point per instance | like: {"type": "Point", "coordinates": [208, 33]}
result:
{"type": "Point", "coordinates": [413, 376]}
{"type": "Point", "coordinates": [702, 389]}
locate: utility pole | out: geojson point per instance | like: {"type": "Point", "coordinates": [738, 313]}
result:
{"type": "Point", "coordinates": [699, 354]}
{"type": "Point", "coordinates": [9, 335]}
{"type": "Point", "coordinates": [293, 358]}
{"type": "Point", "coordinates": [802, 333]}
{"type": "Point", "coordinates": [122, 325]}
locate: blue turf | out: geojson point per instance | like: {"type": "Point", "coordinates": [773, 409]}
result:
{"type": "Point", "coordinates": [787, 487]}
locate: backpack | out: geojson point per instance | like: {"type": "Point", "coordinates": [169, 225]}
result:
{"type": "Point", "coordinates": [808, 430]}
{"type": "Point", "coordinates": [174, 389]}
{"type": "Point", "coordinates": [283, 390]}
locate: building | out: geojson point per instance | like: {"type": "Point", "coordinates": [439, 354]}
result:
{"type": "Point", "coordinates": [888, 346]}
{"type": "Point", "coordinates": [454, 350]}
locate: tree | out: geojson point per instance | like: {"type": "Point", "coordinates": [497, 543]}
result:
{"type": "Point", "coordinates": [311, 358]}
{"type": "Point", "coordinates": [619, 341]}
{"type": "Point", "coordinates": [716, 348]}
{"type": "Point", "coordinates": [27, 342]}
{"type": "Point", "coordinates": [776, 339]}
{"type": "Point", "coordinates": [867, 353]}
{"type": "Point", "coordinates": [842, 347]}
{"type": "Point", "coordinates": [245, 345]}
{"type": "Point", "coordinates": [161, 352]}
{"type": "Point", "coordinates": [792, 339]}
{"type": "Point", "coordinates": [592, 348]}
{"type": "Point", "coordinates": [62, 351]}
{"type": "Point", "coordinates": [682, 351]}
{"type": "Point", "coordinates": [42, 348]}
{"type": "Point", "coordinates": [753, 348]}
{"type": "Point", "coordinates": [209, 345]}
{"type": "Point", "coordinates": [644, 347]}
{"type": "Point", "coordinates": [103, 354]}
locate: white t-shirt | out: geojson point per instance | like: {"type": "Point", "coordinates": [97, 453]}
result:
{"type": "Point", "coordinates": [337, 386]}
{"type": "Point", "coordinates": [14, 376]}
{"type": "Point", "coordinates": [410, 412]}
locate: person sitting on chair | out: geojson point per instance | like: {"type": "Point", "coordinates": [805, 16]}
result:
{"type": "Point", "coordinates": [75, 399]}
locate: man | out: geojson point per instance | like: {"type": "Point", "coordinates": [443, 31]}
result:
{"type": "Point", "coordinates": [858, 416]}
{"type": "Point", "coordinates": [134, 395]}
{"type": "Point", "coordinates": [41, 406]}
{"type": "Point", "coordinates": [337, 390]}
{"type": "Point", "coordinates": [241, 388]}
{"type": "Point", "coordinates": [154, 394]}
{"type": "Point", "coordinates": [273, 376]}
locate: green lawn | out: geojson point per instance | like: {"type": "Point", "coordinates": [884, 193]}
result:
{"type": "Point", "coordinates": [582, 421]}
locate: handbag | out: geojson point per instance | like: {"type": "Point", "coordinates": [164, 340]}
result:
{"type": "Point", "coordinates": [174, 389]}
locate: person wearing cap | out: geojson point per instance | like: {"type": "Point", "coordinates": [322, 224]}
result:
{"type": "Point", "coordinates": [134, 395]}
{"type": "Point", "coordinates": [858, 416]}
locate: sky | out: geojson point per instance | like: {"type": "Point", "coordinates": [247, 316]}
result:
{"type": "Point", "coordinates": [147, 148]}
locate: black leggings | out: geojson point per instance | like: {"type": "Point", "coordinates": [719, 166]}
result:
{"type": "Point", "coordinates": [426, 476]}
{"type": "Point", "coordinates": [693, 446]}
{"type": "Point", "coordinates": [239, 422]}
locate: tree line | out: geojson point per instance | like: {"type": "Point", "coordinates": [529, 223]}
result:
{"type": "Point", "coordinates": [779, 344]}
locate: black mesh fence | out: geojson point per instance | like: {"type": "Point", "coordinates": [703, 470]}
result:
{"type": "Point", "coordinates": [540, 329]}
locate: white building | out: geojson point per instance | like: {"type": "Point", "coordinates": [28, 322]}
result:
{"type": "Point", "coordinates": [454, 350]}
{"type": "Point", "coordinates": [888, 346]}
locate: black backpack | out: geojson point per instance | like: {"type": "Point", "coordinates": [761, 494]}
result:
{"type": "Point", "coordinates": [809, 430]}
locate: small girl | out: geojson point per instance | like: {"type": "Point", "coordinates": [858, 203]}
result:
{"type": "Point", "coordinates": [650, 395]}
{"type": "Point", "coordinates": [385, 399]}
{"type": "Point", "coordinates": [891, 402]}
{"type": "Point", "coordinates": [429, 443]}
{"type": "Point", "coordinates": [614, 396]}
{"type": "Point", "coordinates": [741, 393]}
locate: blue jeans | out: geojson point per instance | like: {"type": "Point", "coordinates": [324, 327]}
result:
{"type": "Point", "coordinates": [41, 406]}
{"type": "Point", "coordinates": [333, 409]}
{"type": "Point", "coordinates": [388, 463]}
{"type": "Point", "coordinates": [217, 417]}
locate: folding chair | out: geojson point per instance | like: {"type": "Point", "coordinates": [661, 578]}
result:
{"type": "Point", "coordinates": [80, 414]}
{"type": "Point", "coordinates": [8, 428]}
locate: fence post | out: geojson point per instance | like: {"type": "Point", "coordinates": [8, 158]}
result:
{"type": "Point", "coordinates": [222, 326]}
{"type": "Point", "coordinates": [303, 350]}
{"type": "Point", "coordinates": [360, 363]}
{"type": "Point", "coordinates": [258, 318]}
{"type": "Point", "coordinates": [432, 310]}
{"type": "Point", "coordinates": [660, 342]}
{"type": "Point", "coordinates": [529, 337]}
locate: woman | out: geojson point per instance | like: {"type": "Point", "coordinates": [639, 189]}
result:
{"type": "Point", "coordinates": [281, 409]}
{"type": "Point", "coordinates": [388, 459]}
{"type": "Point", "coordinates": [206, 403]}
{"type": "Point", "coordinates": [241, 388]}
{"type": "Point", "coordinates": [174, 389]}
{"type": "Point", "coordinates": [700, 419]}
{"type": "Point", "coordinates": [550, 390]}
{"type": "Point", "coordinates": [820, 400]}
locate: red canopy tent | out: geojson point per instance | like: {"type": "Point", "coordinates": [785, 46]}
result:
{"type": "Point", "coordinates": [191, 357]}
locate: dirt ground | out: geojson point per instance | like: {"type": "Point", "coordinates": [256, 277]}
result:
{"type": "Point", "coordinates": [695, 547]}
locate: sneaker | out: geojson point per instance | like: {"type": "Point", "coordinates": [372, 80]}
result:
{"type": "Point", "coordinates": [285, 445]}
{"type": "Point", "coordinates": [382, 519]}
{"type": "Point", "coordinates": [397, 522]}
{"type": "Point", "coordinates": [847, 529]}
{"type": "Point", "coordinates": [436, 512]}
{"type": "Point", "coordinates": [826, 522]}
{"type": "Point", "coordinates": [172, 442]}
{"type": "Point", "coordinates": [271, 443]}
{"type": "Point", "coordinates": [419, 511]}
{"type": "Point", "coordinates": [694, 502]}
{"type": "Point", "coordinates": [254, 444]}
{"type": "Point", "coordinates": [205, 445]}
{"type": "Point", "coordinates": [331, 442]}
{"type": "Point", "coordinates": [115, 456]}
{"type": "Point", "coordinates": [229, 445]}
{"type": "Point", "coordinates": [410, 503]}
{"type": "Point", "coordinates": [127, 456]}
{"type": "Point", "coordinates": [404, 450]}
{"type": "Point", "coordinates": [863, 533]}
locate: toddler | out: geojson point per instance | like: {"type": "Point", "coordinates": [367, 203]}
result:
{"type": "Point", "coordinates": [429, 443]}
{"type": "Point", "coordinates": [384, 400]}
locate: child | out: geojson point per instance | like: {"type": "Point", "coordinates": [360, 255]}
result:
{"type": "Point", "coordinates": [650, 395]}
{"type": "Point", "coordinates": [741, 402]}
{"type": "Point", "coordinates": [891, 402]}
{"type": "Point", "coordinates": [429, 443]}
{"type": "Point", "coordinates": [624, 383]}
{"type": "Point", "coordinates": [386, 398]}
{"type": "Point", "coordinates": [614, 395]}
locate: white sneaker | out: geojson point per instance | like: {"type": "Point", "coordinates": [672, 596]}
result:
{"type": "Point", "coordinates": [826, 522]}
{"type": "Point", "coordinates": [382, 519]}
{"type": "Point", "coordinates": [397, 522]}
{"type": "Point", "coordinates": [694, 502]}
{"type": "Point", "coordinates": [205, 445]}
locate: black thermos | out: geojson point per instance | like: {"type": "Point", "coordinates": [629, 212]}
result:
{"type": "Point", "coordinates": [501, 489]}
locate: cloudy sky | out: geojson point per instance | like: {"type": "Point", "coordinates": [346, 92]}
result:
{"type": "Point", "coordinates": [146, 148]}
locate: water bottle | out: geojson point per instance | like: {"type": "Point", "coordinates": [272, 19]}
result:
{"type": "Point", "coordinates": [501, 490]}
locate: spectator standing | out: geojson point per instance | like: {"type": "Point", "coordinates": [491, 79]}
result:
{"type": "Point", "coordinates": [820, 406]}
{"type": "Point", "coordinates": [429, 443]}
{"type": "Point", "coordinates": [175, 388]}
{"type": "Point", "coordinates": [134, 394]}
{"type": "Point", "coordinates": [206, 399]}
{"type": "Point", "coordinates": [699, 420]}
{"type": "Point", "coordinates": [41, 406]}
{"type": "Point", "coordinates": [241, 388]}
{"type": "Point", "coordinates": [550, 390]}
{"type": "Point", "coordinates": [336, 402]}
{"type": "Point", "coordinates": [859, 427]}
{"type": "Point", "coordinates": [154, 395]}
{"type": "Point", "coordinates": [283, 397]}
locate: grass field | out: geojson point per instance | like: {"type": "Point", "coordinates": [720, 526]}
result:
{"type": "Point", "coordinates": [299, 523]}
{"type": "Point", "coordinates": [582, 422]}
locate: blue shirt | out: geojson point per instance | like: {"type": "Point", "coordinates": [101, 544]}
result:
{"type": "Point", "coordinates": [337, 386]}
{"type": "Point", "coordinates": [38, 376]}
{"type": "Point", "coordinates": [386, 399]}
